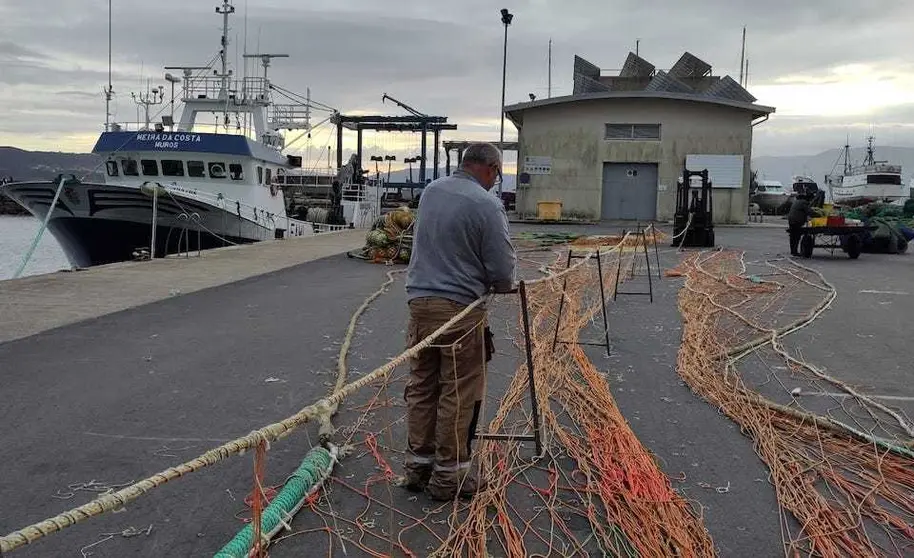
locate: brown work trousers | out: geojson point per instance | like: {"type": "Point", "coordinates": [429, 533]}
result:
{"type": "Point", "coordinates": [445, 389]}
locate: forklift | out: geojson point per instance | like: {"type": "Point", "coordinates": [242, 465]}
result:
{"type": "Point", "coordinates": [694, 216]}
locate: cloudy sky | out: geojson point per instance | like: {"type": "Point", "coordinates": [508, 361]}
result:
{"type": "Point", "coordinates": [832, 68]}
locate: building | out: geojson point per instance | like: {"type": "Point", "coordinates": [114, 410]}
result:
{"type": "Point", "coordinates": [616, 146]}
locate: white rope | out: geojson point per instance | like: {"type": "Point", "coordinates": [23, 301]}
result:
{"type": "Point", "coordinates": [44, 225]}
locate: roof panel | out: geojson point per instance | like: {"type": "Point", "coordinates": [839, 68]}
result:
{"type": "Point", "coordinates": [665, 82]}
{"type": "Point", "coordinates": [690, 65]}
{"type": "Point", "coordinates": [586, 68]}
{"type": "Point", "coordinates": [728, 88]}
{"type": "Point", "coordinates": [635, 66]}
{"type": "Point", "coordinates": [584, 85]}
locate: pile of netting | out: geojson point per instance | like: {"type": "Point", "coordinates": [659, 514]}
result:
{"type": "Point", "coordinates": [390, 239]}
{"type": "Point", "coordinates": [844, 477]}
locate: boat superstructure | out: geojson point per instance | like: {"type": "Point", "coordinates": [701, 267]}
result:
{"type": "Point", "coordinates": [871, 181]}
{"type": "Point", "coordinates": [211, 179]}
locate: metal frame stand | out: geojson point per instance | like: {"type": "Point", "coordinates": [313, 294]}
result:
{"type": "Point", "coordinates": [558, 319]}
{"type": "Point", "coordinates": [536, 438]}
{"type": "Point", "coordinates": [647, 260]}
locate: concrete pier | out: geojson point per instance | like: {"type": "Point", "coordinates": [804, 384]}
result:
{"type": "Point", "coordinates": [34, 304]}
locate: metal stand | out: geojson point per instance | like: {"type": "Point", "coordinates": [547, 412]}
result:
{"type": "Point", "coordinates": [558, 319]}
{"type": "Point", "coordinates": [535, 437]}
{"type": "Point", "coordinates": [647, 260]}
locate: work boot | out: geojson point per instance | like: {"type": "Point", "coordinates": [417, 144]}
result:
{"type": "Point", "coordinates": [416, 478]}
{"type": "Point", "coordinates": [446, 492]}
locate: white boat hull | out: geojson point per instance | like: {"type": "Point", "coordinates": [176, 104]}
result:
{"type": "Point", "coordinates": [105, 223]}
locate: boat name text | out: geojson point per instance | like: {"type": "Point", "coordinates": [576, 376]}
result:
{"type": "Point", "coordinates": [169, 140]}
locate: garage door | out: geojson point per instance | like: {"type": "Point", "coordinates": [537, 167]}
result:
{"type": "Point", "coordinates": [629, 191]}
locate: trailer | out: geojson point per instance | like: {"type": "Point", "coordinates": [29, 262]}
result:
{"type": "Point", "coordinates": [848, 239]}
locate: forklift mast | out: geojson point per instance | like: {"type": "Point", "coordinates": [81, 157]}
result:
{"type": "Point", "coordinates": [694, 217]}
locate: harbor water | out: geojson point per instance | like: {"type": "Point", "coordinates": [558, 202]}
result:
{"type": "Point", "coordinates": [16, 236]}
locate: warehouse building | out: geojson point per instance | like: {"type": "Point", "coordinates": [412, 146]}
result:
{"type": "Point", "coordinates": [616, 146]}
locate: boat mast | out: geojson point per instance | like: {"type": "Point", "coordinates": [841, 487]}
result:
{"type": "Point", "coordinates": [847, 156]}
{"type": "Point", "coordinates": [225, 10]}
{"type": "Point", "coordinates": [870, 154]}
{"type": "Point", "coordinates": [109, 91]}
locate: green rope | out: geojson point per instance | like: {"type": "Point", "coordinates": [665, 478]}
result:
{"type": "Point", "coordinates": [312, 471]}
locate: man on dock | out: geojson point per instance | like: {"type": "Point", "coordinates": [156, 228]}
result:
{"type": "Point", "coordinates": [800, 212]}
{"type": "Point", "coordinates": [461, 251]}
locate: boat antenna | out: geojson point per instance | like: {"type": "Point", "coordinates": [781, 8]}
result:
{"type": "Point", "coordinates": [109, 91]}
{"type": "Point", "coordinates": [870, 154]}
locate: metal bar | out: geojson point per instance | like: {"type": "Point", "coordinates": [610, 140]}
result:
{"type": "Point", "coordinates": [358, 148]}
{"type": "Point", "coordinates": [447, 164]}
{"type": "Point", "coordinates": [588, 343]}
{"type": "Point", "coordinates": [424, 148]}
{"type": "Point", "coordinates": [517, 437]}
{"type": "Point", "coordinates": [534, 404]}
{"type": "Point", "coordinates": [339, 146]}
{"type": "Point", "coordinates": [647, 261]}
{"type": "Point", "coordinates": [436, 157]}
{"type": "Point", "coordinates": [603, 302]}
{"type": "Point", "coordinates": [618, 271]}
{"type": "Point", "coordinates": [558, 317]}
{"type": "Point", "coordinates": [657, 253]}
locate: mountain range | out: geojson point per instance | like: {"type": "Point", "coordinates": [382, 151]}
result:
{"type": "Point", "coordinates": [817, 166]}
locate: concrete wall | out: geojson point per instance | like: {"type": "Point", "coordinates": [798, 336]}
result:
{"type": "Point", "coordinates": [572, 134]}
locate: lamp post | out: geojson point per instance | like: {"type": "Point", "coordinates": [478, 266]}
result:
{"type": "Point", "coordinates": [172, 80]}
{"type": "Point", "coordinates": [506, 18]}
{"type": "Point", "coordinates": [389, 158]}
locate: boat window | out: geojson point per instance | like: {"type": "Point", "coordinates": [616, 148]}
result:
{"type": "Point", "coordinates": [150, 167]}
{"type": "Point", "coordinates": [259, 175]}
{"type": "Point", "coordinates": [883, 179]}
{"type": "Point", "coordinates": [217, 170]}
{"type": "Point", "coordinates": [196, 169]}
{"type": "Point", "coordinates": [269, 179]}
{"type": "Point", "coordinates": [130, 168]}
{"type": "Point", "coordinates": [112, 168]}
{"type": "Point", "coordinates": [170, 167]}
{"type": "Point", "coordinates": [280, 176]}
{"type": "Point", "coordinates": [236, 171]}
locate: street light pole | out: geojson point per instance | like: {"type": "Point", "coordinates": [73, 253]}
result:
{"type": "Point", "coordinates": [506, 18]}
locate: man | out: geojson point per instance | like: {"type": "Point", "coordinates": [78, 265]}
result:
{"type": "Point", "coordinates": [461, 251]}
{"type": "Point", "coordinates": [799, 213]}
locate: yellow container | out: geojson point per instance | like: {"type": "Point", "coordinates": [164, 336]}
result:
{"type": "Point", "coordinates": [549, 210]}
{"type": "Point", "coordinates": [818, 221]}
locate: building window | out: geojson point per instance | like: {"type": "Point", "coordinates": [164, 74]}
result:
{"type": "Point", "coordinates": [217, 170]}
{"type": "Point", "coordinates": [259, 175]}
{"type": "Point", "coordinates": [196, 169]}
{"type": "Point", "coordinates": [112, 168]}
{"type": "Point", "coordinates": [150, 167]}
{"type": "Point", "coordinates": [170, 167]}
{"type": "Point", "coordinates": [633, 132]}
{"type": "Point", "coordinates": [236, 172]}
{"type": "Point", "coordinates": [130, 167]}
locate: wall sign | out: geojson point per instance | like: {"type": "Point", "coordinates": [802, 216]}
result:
{"type": "Point", "coordinates": [538, 165]}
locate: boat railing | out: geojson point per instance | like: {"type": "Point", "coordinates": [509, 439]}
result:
{"type": "Point", "coordinates": [210, 87]}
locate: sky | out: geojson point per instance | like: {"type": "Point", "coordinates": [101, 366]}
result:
{"type": "Point", "coordinates": [833, 69]}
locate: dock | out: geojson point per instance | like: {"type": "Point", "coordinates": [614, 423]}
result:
{"type": "Point", "coordinates": [125, 370]}
{"type": "Point", "coordinates": [34, 304]}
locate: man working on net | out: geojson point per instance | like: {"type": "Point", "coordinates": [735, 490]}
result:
{"type": "Point", "coordinates": [461, 251]}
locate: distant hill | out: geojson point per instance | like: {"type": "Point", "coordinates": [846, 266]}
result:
{"type": "Point", "coordinates": [817, 166]}
{"type": "Point", "coordinates": [44, 165]}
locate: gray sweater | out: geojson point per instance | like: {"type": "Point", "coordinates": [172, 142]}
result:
{"type": "Point", "coordinates": [461, 244]}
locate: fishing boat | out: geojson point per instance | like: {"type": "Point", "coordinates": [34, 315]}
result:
{"type": "Point", "coordinates": [871, 181]}
{"type": "Point", "coordinates": [181, 186]}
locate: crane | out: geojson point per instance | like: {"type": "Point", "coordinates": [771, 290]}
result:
{"type": "Point", "coordinates": [404, 106]}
